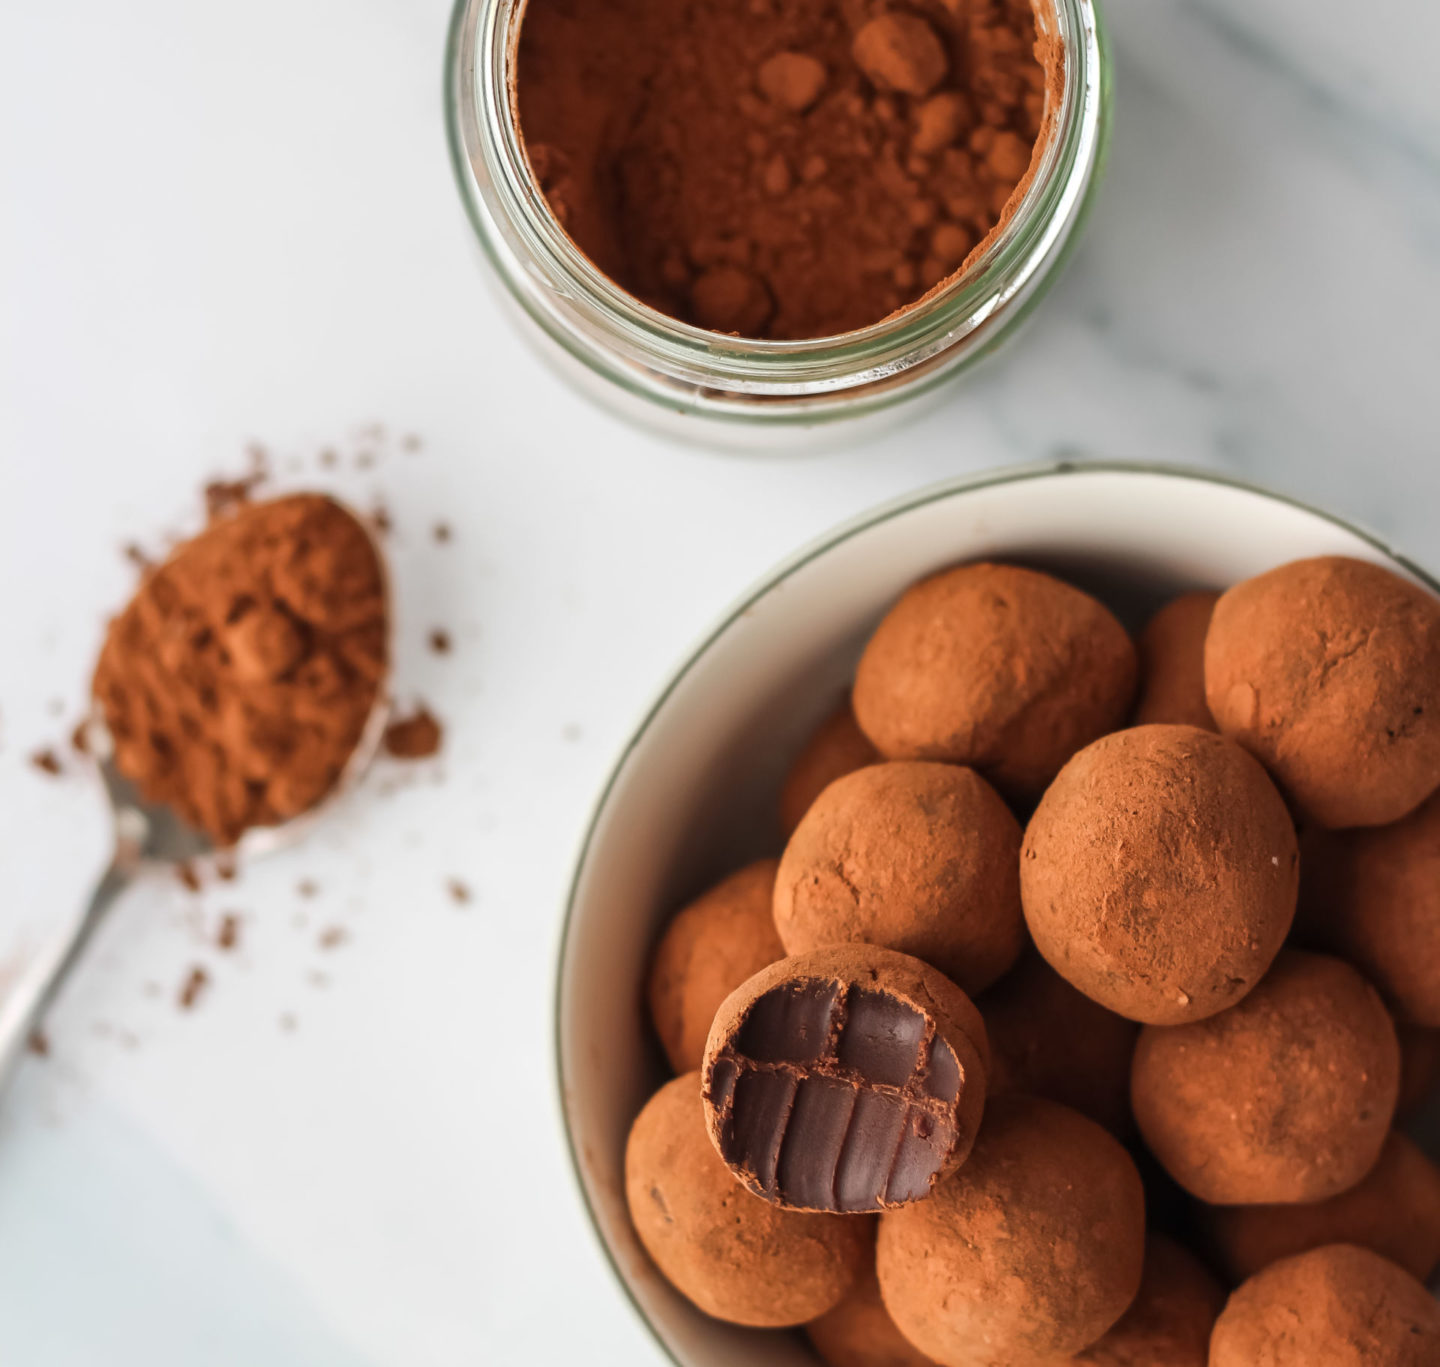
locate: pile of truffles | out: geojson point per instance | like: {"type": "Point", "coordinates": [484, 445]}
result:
{"type": "Point", "coordinates": [956, 1090]}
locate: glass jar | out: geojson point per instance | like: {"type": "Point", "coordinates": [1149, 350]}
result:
{"type": "Point", "coordinates": [649, 365]}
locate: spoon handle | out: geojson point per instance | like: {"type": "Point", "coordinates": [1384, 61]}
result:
{"type": "Point", "coordinates": [27, 1001]}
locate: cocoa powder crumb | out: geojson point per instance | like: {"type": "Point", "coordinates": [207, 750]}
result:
{"type": "Point", "coordinates": [440, 641]}
{"type": "Point", "coordinates": [47, 762]}
{"type": "Point", "coordinates": [417, 736]}
{"type": "Point", "coordinates": [194, 984]}
{"type": "Point", "coordinates": [307, 887]}
{"type": "Point", "coordinates": [38, 1044]}
{"type": "Point", "coordinates": [442, 532]}
{"type": "Point", "coordinates": [459, 892]}
{"type": "Point", "coordinates": [135, 554]}
{"type": "Point", "coordinates": [188, 876]}
{"type": "Point", "coordinates": [332, 937]}
{"type": "Point", "coordinates": [288, 1021]}
{"type": "Point", "coordinates": [228, 935]}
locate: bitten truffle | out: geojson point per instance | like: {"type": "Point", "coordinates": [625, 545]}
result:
{"type": "Point", "coordinates": [1160, 873]}
{"type": "Point", "coordinates": [847, 1079]}
{"type": "Point", "coordinates": [1172, 663]}
{"type": "Point", "coordinates": [1329, 671]}
{"type": "Point", "coordinates": [1395, 1211]}
{"type": "Point", "coordinates": [1004, 669]}
{"type": "Point", "coordinates": [1049, 1040]}
{"type": "Point", "coordinates": [837, 747]}
{"type": "Point", "coordinates": [1286, 1097]}
{"type": "Point", "coordinates": [736, 1257]}
{"type": "Point", "coordinates": [1169, 1322]}
{"type": "Point", "coordinates": [1419, 1070]}
{"type": "Point", "coordinates": [860, 1333]}
{"type": "Point", "coordinates": [1033, 1250]}
{"type": "Point", "coordinates": [920, 858]}
{"type": "Point", "coordinates": [709, 949]}
{"type": "Point", "coordinates": [1373, 896]}
{"type": "Point", "coordinates": [1338, 1306]}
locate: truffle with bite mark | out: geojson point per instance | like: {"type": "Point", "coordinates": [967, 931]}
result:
{"type": "Point", "coordinates": [1172, 663]}
{"type": "Point", "coordinates": [860, 1333]}
{"type": "Point", "coordinates": [736, 1257]}
{"type": "Point", "coordinates": [1005, 669]}
{"type": "Point", "coordinates": [1159, 873]}
{"type": "Point", "coordinates": [1328, 670]}
{"type": "Point", "coordinates": [1286, 1097]}
{"type": "Point", "coordinates": [709, 949]}
{"type": "Point", "coordinates": [1047, 1039]}
{"type": "Point", "coordinates": [837, 747]}
{"type": "Point", "coordinates": [1339, 1306]}
{"type": "Point", "coordinates": [1033, 1250]}
{"type": "Point", "coordinates": [1372, 896]}
{"type": "Point", "coordinates": [1395, 1211]}
{"type": "Point", "coordinates": [847, 1079]}
{"type": "Point", "coordinates": [915, 857]}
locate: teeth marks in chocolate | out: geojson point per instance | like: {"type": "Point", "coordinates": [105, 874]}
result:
{"type": "Point", "coordinates": [835, 1097]}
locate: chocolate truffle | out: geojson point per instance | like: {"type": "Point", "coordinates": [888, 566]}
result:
{"type": "Point", "coordinates": [736, 1257]}
{"type": "Point", "coordinates": [1419, 1070]}
{"type": "Point", "coordinates": [1033, 1250]}
{"type": "Point", "coordinates": [1286, 1097]}
{"type": "Point", "coordinates": [848, 1079]}
{"type": "Point", "coordinates": [706, 952]}
{"type": "Point", "coordinates": [1329, 671]}
{"type": "Point", "coordinates": [1395, 1211]}
{"type": "Point", "coordinates": [860, 1333]}
{"type": "Point", "coordinates": [1159, 873]}
{"type": "Point", "coordinates": [838, 747]}
{"type": "Point", "coordinates": [1373, 896]}
{"type": "Point", "coordinates": [1169, 1322]}
{"type": "Point", "coordinates": [1338, 1306]}
{"type": "Point", "coordinates": [1005, 669]}
{"type": "Point", "coordinates": [1049, 1040]}
{"type": "Point", "coordinates": [1172, 663]}
{"type": "Point", "coordinates": [921, 858]}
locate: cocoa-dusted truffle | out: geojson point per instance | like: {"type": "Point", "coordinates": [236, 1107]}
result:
{"type": "Point", "coordinates": [1419, 1070]}
{"type": "Point", "coordinates": [860, 1333]}
{"type": "Point", "coordinates": [1169, 1322]}
{"type": "Point", "coordinates": [848, 1079]}
{"type": "Point", "coordinates": [1033, 1250]}
{"type": "Point", "coordinates": [1172, 663]}
{"type": "Point", "coordinates": [1338, 1306]}
{"type": "Point", "coordinates": [921, 858]}
{"type": "Point", "coordinates": [736, 1257]}
{"type": "Point", "coordinates": [1373, 897]}
{"type": "Point", "coordinates": [1329, 671]}
{"type": "Point", "coordinates": [1159, 873]}
{"type": "Point", "coordinates": [1002, 668]}
{"type": "Point", "coordinates": [836, 748]}
{"type": "Point", "coordinates": [1049, 1040]}
{"type": "Point", "coordinates": [1395, 1211]}
{"type": "Point", "coordinates": [1286, 1097]}
{"type": "Point", "coordinates": [706, 952]}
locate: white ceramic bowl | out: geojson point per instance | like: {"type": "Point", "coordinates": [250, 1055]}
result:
{"type": "Point", "coordinates": [694, 792]}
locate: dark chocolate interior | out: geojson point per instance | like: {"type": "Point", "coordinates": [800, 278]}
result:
{"type": "Point", "coordinates": [836, 1097]}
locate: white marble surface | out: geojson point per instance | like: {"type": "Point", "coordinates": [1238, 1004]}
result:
{"type": "Point", "coordinates": [225, 224]}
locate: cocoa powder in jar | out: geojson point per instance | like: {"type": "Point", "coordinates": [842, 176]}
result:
{"type": "Point", "coordinates": [783, 169]}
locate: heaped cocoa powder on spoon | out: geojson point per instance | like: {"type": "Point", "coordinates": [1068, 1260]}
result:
{"type": "Point", "coordinates": [783, 168]}
{"type": "Point", "coordinates": [238, 682]}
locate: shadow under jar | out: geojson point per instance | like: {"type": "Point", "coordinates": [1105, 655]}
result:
{"type": "Point", "coordinates": [660, 370]}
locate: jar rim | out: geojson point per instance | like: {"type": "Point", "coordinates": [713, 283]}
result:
{"type": "Point", "coordinates": [521, 234]}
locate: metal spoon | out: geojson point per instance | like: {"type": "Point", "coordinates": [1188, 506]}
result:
{"type": "Point", "coordinates": [152, 834]}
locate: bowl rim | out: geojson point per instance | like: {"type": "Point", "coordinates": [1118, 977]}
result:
{"type": "Point", "coordinates": [812, 550]}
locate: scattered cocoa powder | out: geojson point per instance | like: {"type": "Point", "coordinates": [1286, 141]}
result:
{"type": "Point", "coordinates": [38, 1044]}
{"type": "Point", "coordinates": [783, 171]}
{"type": "Point", "coordinates": [238, 682]}
{"type": "Point", "coordinates": [194, 984]}
{"type": "Point", "coordinates": [442, 532]}
{"type": "Point", "coordinates": [47, 762]}
{"type": "Point", "coordinates": [417, 736]}
{"type": "Point", "coordinates": [332, 937]}
{"type": "Point", "coordinates": [228, 935]}
{"type": "Point", "coordinates": [440, 641]}
{"type": "Point", "coordinates": [459, 892]}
